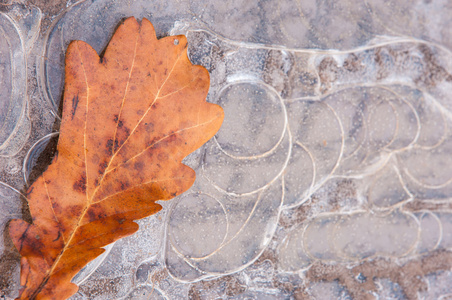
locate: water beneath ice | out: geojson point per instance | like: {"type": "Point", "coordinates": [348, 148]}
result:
{"type": "Point", "coordinates": [341, 111]}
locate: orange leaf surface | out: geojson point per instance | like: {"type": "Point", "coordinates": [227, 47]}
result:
{"type": "Point", "coordinates": [129, 118]}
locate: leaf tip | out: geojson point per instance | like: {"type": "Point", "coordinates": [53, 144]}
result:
{"type": "Point", "coordinates": [130, 21]}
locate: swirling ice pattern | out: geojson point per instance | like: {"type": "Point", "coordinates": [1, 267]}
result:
{"type": "Point", "coordinates": [371, 115]}
{"type": "Point", "coordinates": [377, 116]}
{"type": "Point", "coordinates": [297, 122]}
{"type": "Point", "coordinates": [17, 36]}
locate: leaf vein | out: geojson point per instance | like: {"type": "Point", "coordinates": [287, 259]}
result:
{"type": "Point", "coordinates": [160, 140]}
{"type": "Point", "coordinates": [145, 114]}
{"type": "Point", "coordinates": [126, 90]}
{"type": "Point", "coordinates": [178, 90]}
{"type": "Point", "coordinates": [138, 185]}
{"type": "Point", "coordinates": [48, 197]}
{"type": "Point", "coordinates": [86, 121]}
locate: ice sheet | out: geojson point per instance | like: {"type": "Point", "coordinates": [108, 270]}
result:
{"type": "Point", "coordinates": [331, 173]}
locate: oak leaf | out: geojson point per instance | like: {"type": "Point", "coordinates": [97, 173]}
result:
{"type": "Point", "coordinates": [129, 118]}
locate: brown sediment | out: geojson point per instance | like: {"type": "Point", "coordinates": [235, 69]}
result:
{"type": "Point", "coordinates": [360, 280]}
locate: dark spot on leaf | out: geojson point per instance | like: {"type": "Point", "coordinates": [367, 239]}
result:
{"type": "Point", "coordinates": [102, 167]}
{"type": "Point", "coordinates": [80, 185]}
{"type": "Point", "coordinates": [75, 210]}
{"type": "Point", "coordinates": [56, 207]}
{"type": "Point", "coordinates": [58, 237]}
{"type": "Point", "coordinates": [91, 215]}
{"type": "Point", "coordinates": [163, 156]}
{"type": "Point", "coordinates": [74, 106]}
{"type": "Point", "coordinates": [109, 146]}
{"type": "Point", "coordinates": [149, 127]}
{"type": "Point", "coordinates": [152, 142]}
{"type": "Point", "coordinates": [126, 130]}
{"type": "Point", "coordinates": [120, 124]}
{"type": "Point", "coordinates": [124, 185]}
{"type": "Point", "coordinates": [155, 105]}
{"type": "Point", "coordinates": [139, 165]}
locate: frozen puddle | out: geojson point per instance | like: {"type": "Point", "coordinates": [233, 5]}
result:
{"type": "Point", "coordinates": [330, 158]}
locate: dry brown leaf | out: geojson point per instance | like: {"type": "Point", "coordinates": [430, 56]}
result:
{"type": "Point", "coordinates": [129, 118]}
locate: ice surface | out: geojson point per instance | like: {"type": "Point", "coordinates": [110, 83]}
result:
{"type": "Point", "coordinates": [334, 156]}
{"type": "Point", "coordinates": [18, 31]}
